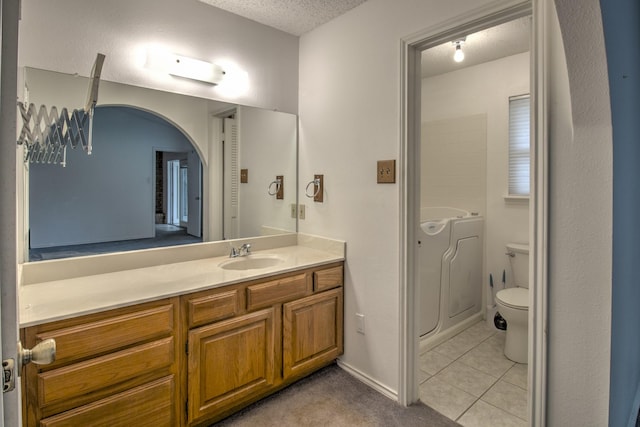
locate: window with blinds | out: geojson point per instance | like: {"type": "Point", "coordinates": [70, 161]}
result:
{"type": "Point", "coordinates": [519, 154]}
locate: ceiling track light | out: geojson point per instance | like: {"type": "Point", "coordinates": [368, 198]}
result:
{"type": "Point", "coordinates": [458, 55]}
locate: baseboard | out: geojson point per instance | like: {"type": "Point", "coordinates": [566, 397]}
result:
{"type": "Point", "coordinates": [438, 338]}
{"type": "Point", "coordinates": [360, 376]}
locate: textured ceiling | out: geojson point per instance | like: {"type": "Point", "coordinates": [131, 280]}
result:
{"type": "Point", "coordinates": [300, 16]}
{"type": "Point", "coordinates": [292, 16]}
{"type": "Point", "coordinates": [493, 43]}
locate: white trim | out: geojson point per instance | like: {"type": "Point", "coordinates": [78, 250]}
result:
{"type": "Point", "coordinates": [538, 217]}
{"type": "Point", "coordinates": [360, 376]}
{"type": "Point", "coordinates": [410, 47]}
{"type": "Point", "coordinates": [409, 295]}
{"type": "Point", "coordinates": [517, 199]}
{"type": "Point", "coordinates": [10, 402]}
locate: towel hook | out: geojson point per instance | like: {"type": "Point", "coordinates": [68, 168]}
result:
{"type": "Point", "coordinates": [316, 186]}
{"type": "Point", "coordinates": [278, 184]}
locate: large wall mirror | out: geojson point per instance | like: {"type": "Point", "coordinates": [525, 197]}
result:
{"type": "Point", "coordinates": [165, 169]}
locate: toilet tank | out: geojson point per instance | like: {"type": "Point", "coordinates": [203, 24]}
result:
{"type": "Point", "coordinates": [519, 260]}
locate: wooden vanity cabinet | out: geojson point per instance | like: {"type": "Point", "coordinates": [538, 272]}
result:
{"type": "Point", "coordinates": [116, 368]}
{"type": "Point", "coordinates": [189, 360]}
{"type": "Point", "coordinates": [262, 336]}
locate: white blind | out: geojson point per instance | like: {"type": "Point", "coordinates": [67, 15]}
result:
{"type": "Point", "coordinates": [519, 154]}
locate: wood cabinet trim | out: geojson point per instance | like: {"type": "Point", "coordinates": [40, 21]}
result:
{"type": "Point", "coordinates": [319, 345]}
{"type": "Point", "coordinates": [214, 307]}
{"type": "Point", "coordinates": [277, 291]}
{"type": "Point", "coordinates": [91, 375]}
{"type": "Point", "coordinates": [209, 394]}
{"type": "Point", "coordinates": [328, 278]}
{"type": "Point", "coordinates": [80, 341]}
{"type": "Point", "coordinates": [148, 404]}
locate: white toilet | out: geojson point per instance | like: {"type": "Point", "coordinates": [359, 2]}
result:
{"type": "Point", "coordinates": [513, 304]}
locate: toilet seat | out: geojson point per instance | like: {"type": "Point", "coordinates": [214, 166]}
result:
{"type": "Point", "coordinates": [516, 298]}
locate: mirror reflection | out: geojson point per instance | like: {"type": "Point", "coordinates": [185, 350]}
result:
{"type": "Point", "coordinates": [165, 169]}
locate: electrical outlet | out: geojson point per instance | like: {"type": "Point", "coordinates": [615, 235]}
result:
{"type": "Point", "coordinates": [302, 211]}
{"type": "Point", "coordinates": [360, 323]}
{"type": "Point", "coordinates": [294, 210]}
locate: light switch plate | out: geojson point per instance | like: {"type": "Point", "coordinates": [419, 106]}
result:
{"type": "Point", "coordinates": [244, 176]}
{"type": "Point", "coordinates": [386, 171]}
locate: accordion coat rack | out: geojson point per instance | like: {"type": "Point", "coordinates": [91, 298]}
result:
{"type": "Point", "coordinates": [46, 132]}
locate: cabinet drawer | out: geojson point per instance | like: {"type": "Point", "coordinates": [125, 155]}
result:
{"type": "Point", "coordinates": [275, 291]}
{"type": "Point", "coordinates": [94, 374]}
{"type": "Point", "coordinates": [95, 338]}
{"type": "Point", "coordinates": [211, 308]}
{"type": "Point", "coordinates": [328, 278]}
{"type": "Point", "coordinates": [151, 404]}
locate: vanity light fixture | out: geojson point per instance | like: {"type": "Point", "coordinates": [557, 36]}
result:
{"type": "Point", "coordinates": [183, 66]}
{"type": "Point", "coordinates": [458, 56]}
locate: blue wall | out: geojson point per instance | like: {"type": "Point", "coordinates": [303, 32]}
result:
{"type": "Point", "coordinates": [107, 196]}
{"type": "Point", "coordinates": [621, 21]}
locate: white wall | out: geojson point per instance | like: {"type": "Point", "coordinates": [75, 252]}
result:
{"type": "Point", "coordinates": [349, 118]}
{"type": "Point", "coordinates": [66, 35]}
{"type": "Point", "coordinates": [453, 167]}
{"type": "Point", "coordinates": [267, 148]}
{"type": "Point", "coordinates": [580, 219]}
{"type": "Point", "coordinates": [107, 196]}
{"type": "Point", "coordinates": [485, 89]}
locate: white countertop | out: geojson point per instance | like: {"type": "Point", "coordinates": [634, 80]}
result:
{"type": "Point", "coordinates": [71, 297]}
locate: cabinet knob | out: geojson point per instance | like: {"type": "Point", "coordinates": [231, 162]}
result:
{"type": "Point", "coordinates": [42, 354]}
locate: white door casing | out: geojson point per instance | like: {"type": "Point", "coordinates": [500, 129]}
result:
{"type": "Point", "coordinates": [411, 47]}
{"type": "Point", "coordinates": [194, 225]}
{"type": "Point", "coordinates": [9, 156]}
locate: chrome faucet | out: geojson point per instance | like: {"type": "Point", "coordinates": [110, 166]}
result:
{"type": "Point", "coordinates": [243, 250]}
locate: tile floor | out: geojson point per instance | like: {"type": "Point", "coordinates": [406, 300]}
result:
{"type": "Point", "coordinates": [468, 379]}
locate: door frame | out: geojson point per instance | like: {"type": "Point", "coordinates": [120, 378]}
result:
{"type": "Point", "coordinates": [10, 414]}
{"type": "Point", "coordinates": [411, 48]}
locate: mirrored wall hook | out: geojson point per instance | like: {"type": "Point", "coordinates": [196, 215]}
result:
{"type": "Point", "coordinates": [316, 188]}
{"type": "Point", "coordinates": [276, 188]}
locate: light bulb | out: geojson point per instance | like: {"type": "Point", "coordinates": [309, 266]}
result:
{"type": "Point", "coordinates": [459, 55]}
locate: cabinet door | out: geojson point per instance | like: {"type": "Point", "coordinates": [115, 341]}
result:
{"type": "Point", "coordinates": [313, 329]}
{"type": "Point", "coordinates": [230, 362]}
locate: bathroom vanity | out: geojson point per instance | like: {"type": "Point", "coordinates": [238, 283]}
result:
{"type": "Point", "coordinates": [193, 354]}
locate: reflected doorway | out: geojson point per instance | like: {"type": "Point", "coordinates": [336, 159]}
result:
{"type": "Point", "coordinates": [110, 198]}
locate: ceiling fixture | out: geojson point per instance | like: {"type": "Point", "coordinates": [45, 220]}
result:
{"type": "Point", "coordinates": [458, 56]}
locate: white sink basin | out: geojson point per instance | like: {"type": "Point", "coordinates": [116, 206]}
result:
{"type": "Point", "coordinates": [251, 262]}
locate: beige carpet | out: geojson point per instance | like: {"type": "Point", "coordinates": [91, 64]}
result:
{"type": "Point", "coordinates": [332, 397]}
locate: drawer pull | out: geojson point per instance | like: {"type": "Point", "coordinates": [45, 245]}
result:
{"type": "Point", "coordinates": [42, 353]}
